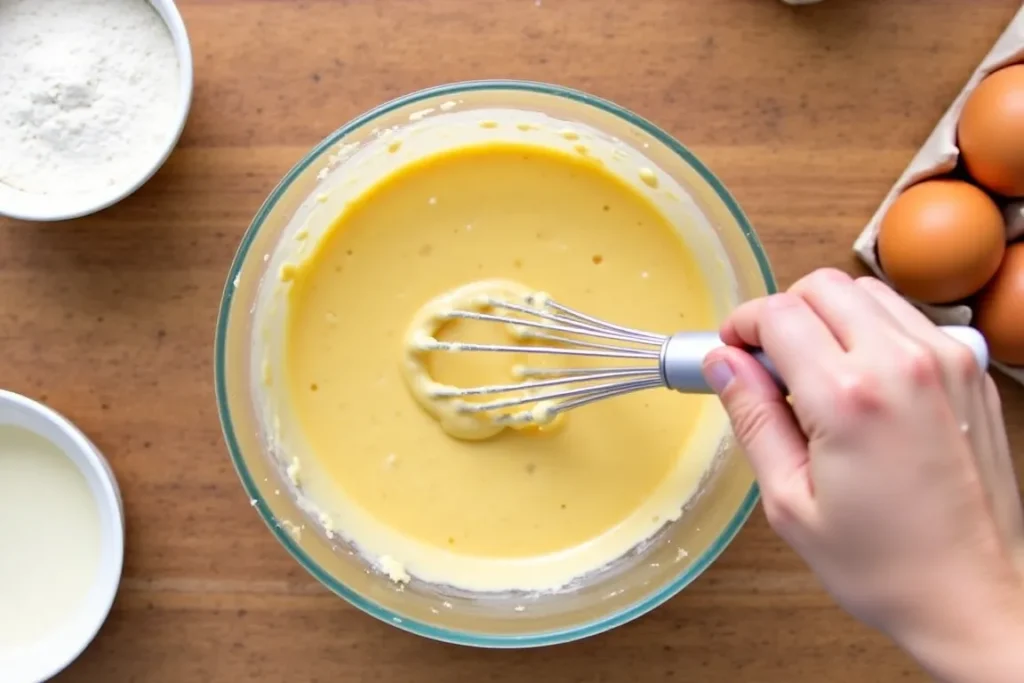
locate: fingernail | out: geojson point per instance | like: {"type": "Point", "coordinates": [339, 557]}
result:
{"type": "Point", "coordinates": [718, 374]}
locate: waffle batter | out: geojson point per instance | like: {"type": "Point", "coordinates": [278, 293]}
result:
{"type": "Point", "coordinates": [526, 509]}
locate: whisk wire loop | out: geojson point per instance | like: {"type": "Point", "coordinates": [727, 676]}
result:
{"type": "Point", "coordinates": [566, 332]}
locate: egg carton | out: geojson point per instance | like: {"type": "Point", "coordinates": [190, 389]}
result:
{"type": "Point", "coordinates": [939, 156]}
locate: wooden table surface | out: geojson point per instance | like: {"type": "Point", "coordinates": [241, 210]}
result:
{"type": "Point", "coordinates": [808, 115]}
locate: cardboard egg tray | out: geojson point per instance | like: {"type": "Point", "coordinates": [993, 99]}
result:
{"type": "Point", "coordinates": [939, 156]}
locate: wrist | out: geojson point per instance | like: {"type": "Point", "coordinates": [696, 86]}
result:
{"type": "Point", "coordinates": [981, 643]}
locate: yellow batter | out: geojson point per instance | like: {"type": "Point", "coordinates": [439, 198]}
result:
{"type": "Point", "coordinates": [522, 509]}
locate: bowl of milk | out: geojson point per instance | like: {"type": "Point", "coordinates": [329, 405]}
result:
{"type": "Point", "coordinates": [61, 540]}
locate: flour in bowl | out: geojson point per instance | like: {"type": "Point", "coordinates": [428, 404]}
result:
{"type": "Point", "coordinates": [89, 93]}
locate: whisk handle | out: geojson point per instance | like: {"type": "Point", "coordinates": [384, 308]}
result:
{"type": "Point", "coordinates": [682, 357]}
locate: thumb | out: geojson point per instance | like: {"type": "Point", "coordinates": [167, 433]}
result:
{"type": "Point", "coordinates": [766, 428]}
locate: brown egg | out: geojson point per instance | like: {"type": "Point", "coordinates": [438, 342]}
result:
{"type": "Point", "coordinates": [941, 241]}
{"type": "Point", "coordinates": [990, 132]}
{"type": "Point", "coordinates": [999, 313]}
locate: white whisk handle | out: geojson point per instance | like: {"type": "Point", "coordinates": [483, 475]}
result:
{"type": "Point", "coordinates": [682, 357]}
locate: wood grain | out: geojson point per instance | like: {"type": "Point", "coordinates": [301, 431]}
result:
{"type": "Point", "coordinates": [807, 115]}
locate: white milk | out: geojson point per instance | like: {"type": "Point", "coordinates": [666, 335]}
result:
{"type": "Point", "coordinates": [49, 538]}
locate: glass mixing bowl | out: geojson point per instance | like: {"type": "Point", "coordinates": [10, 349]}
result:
{"type": "Point", "coordinates": [651, 574]}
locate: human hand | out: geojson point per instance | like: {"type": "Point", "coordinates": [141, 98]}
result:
{"type": "Point", "coordinates": [889, 469]}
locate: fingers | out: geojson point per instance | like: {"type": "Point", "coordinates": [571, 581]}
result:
{"type": "Point", "coordinates": [855, 317]}
{"type": "Point", "coordinates": [769, 434]}
{"type": "Point", "coordinates": [962, 367]}
{"type": "Point", "coordinates": [864, 318]}
{"type": "Point", "coordinates": [791, 334]}
{"type": "Point", "coordinates": [901, 311]}
{"type": "Point", "coordinates": [959, 368]}
{"type": "Point", "coordinates": [1001, 442]}
{"type": "Point", "coordinates": [996, 464]}
{"type": "Point", "coordinates": [974, 399]}
{"type": "Point", "coordinates": [852, 315]}
{"type": "Point", "coordinates": [957, 356]}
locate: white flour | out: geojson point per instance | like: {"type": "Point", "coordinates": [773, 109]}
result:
{"type": "Point", "coordinates": [88, 93]}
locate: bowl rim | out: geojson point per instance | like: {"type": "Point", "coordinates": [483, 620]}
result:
{"type": "Point", "coordinates": [57, 650]}
{"type": "Point", "coordinates": [38, 208]}
{"type": "Point", "coordinates": [460, 637]}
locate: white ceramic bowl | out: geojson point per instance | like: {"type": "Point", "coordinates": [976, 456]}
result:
{"type": "Point", "coordinates": [45, 658]}
{"type": "Point", "coordinates": [39, 207]}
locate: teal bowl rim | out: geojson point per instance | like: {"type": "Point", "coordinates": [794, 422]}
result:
{"type": "Point", "coordinates": [457, 637]}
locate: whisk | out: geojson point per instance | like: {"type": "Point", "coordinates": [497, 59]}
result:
{"type": "Point", "coordinates": [666, 361]}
